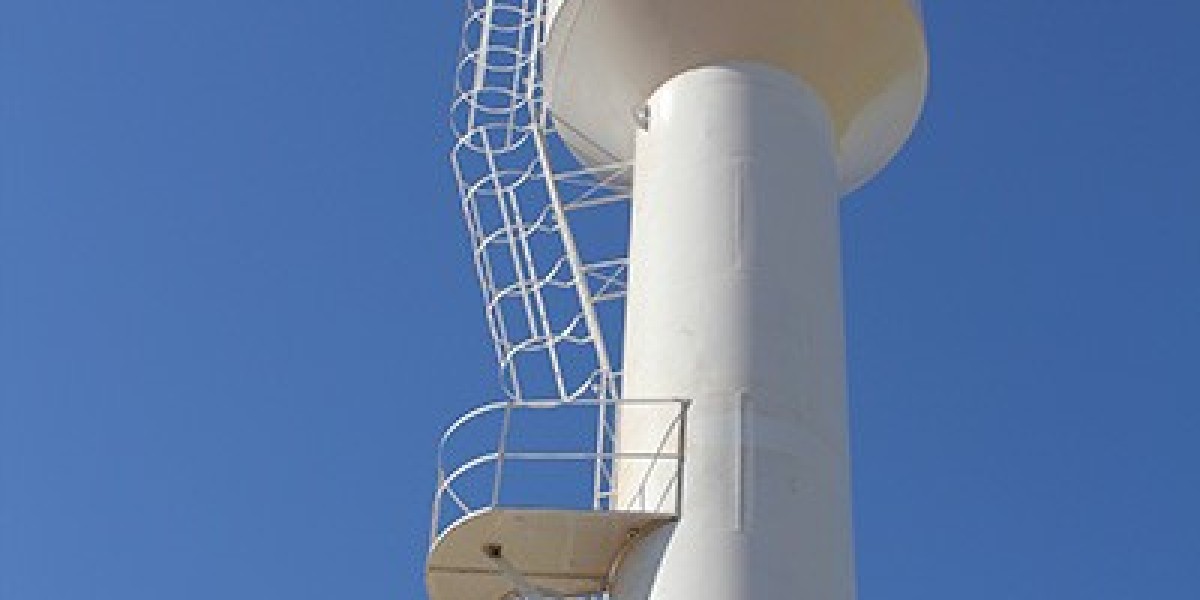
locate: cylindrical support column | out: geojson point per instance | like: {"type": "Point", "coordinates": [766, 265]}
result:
{"type": "Point", "coordinates": [735, 303]}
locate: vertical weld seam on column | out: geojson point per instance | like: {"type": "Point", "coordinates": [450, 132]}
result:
{"type": "Point", "coordinates": [739, 215]}
{"type": "Point", "coordinates": [743, 459]}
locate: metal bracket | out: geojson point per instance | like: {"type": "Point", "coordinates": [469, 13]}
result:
{"type": "Point", "coordinates": [495, 553]}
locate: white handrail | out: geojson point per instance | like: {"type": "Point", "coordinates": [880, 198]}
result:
{"type": "Point", "coordinates": [449, 475]}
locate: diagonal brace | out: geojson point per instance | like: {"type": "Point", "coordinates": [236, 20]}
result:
{"type": "Point", "coordinates": [495, 553]}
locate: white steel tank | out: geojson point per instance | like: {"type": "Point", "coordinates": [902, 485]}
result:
{"type": "Point", "coordinates": [866, 59]}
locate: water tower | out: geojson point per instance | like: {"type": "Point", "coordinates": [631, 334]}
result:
{"type": "Point", "coordinates": [728, 131]}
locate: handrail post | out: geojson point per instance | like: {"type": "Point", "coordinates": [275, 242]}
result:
{"type": "Point", "coordinates": [684, 405]}
{"type": "Point", "coordinates": [500, 451]}
{"type": "Point", "coordinates": [601, 419]}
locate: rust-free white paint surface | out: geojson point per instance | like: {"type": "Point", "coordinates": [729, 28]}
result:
{"type": "Point", "coordinates": [735, 303]}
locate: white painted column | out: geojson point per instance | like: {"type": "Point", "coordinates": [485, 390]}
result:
{"type": "Point", "coordinates": [735, 302]}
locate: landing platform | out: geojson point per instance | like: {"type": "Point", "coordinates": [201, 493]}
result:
{"type": "Point", "coordinates": [558, 552]}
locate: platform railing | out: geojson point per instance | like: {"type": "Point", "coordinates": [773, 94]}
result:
{"type": "Point", "coordinates": [544, 454]}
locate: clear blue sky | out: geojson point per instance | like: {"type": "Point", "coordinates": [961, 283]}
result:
{"type": "Point", "coordinates": [237, 309]}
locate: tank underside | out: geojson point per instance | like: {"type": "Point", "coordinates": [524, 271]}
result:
{"type": "Point", "coordinates": [866, 59]}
